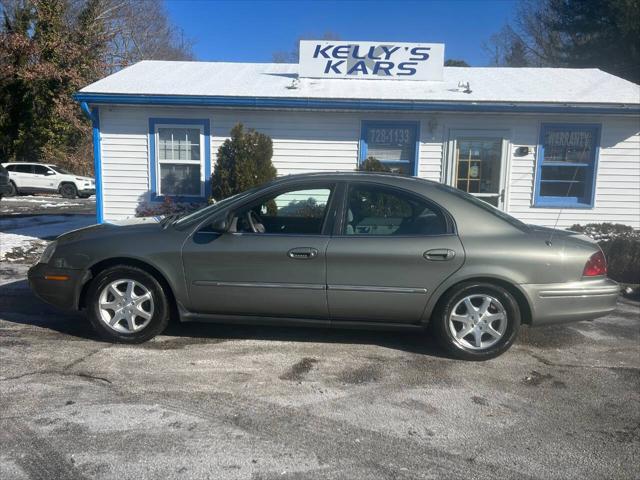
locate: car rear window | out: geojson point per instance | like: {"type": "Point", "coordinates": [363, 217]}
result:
{"type": "Point", "coordinates": [485, 206]}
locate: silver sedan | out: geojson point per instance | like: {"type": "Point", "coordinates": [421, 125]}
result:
{"type": "Point", "coordinates": [350, 250]}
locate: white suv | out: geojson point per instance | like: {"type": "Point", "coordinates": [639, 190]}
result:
{"type": "Point", "coordinates": [40, 177]}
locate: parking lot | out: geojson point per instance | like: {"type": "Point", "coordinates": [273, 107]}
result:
{"type": "Point", "coordinates": [226, 402]}
{"type": "Point", "coordinates": [210, 401]}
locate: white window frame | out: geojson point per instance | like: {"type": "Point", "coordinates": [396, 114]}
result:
{"type": "Point", "coordinates": [159, 162]}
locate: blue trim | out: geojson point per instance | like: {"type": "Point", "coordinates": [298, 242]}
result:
{"type": "Point", "coordinates": [366, 124]}
{"type": "Point", "coordinates": [586, 201]}
{"type": "Point", "coordinates": [94, 116]}
{"type": "Point", "coordinates": [351, 104]}
{"type": "Point", "coordinates": [205, 124]}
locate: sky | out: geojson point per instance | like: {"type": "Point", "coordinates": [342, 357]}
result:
{"type": "Point", "coordinates": [251, 31]}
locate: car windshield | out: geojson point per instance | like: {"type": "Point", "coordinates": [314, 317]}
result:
{"type": "Point", "coordinates": [486, 206]}
{"type": "Point", "coordinates": [209, 209]}
{"type": "Point", "coordinates": [60, 170]}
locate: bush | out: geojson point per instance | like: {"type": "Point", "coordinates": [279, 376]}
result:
{"type": "Point", "coordinates": [244, 161]}
{"type": "Point", "coordinates": [372, 164]}
{"type": "Point", "coordinates": [166, 207]}
{"type": "Point", "coordinates": [621, 246]}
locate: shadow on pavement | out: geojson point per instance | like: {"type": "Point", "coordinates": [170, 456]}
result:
{"type": "Point", "coordinates": [20, 306]}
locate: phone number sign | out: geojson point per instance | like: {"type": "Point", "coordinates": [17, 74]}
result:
{"type": "Point", "coordinates": [371, 60]}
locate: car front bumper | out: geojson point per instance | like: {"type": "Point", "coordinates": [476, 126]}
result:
{"type": "Point", "coordinates": [571, 302]}
{"type": "Point", "coordinates": [60, 287]}
{"type": "Point", "coordinates": [87, 191]}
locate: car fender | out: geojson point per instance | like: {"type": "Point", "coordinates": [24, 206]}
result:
{"type": "Point", "coordinates": [177, 288]}
{"type": "Point", "coordinates": [497, 273]}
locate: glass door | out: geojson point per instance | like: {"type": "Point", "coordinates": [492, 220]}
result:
{"type": "Point", "coordinates": [478, 167]}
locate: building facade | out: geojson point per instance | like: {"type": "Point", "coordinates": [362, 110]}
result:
{"type": "Point", "coordinates": [548, 146]}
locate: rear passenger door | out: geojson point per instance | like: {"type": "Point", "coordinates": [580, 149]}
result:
{"type": "Point", "coordinates": [22, 175]}
{"type": "Point", "coordinates": [391, 252]}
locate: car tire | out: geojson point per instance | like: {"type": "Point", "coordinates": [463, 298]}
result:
{"type": "Point", "coordinates": [13, 191]}
{"type": "Point", "coordinates": [492, 327]}
{"type": "Point", "coordinates": [112, 315]}
{"type": "Point", "coordinates": [68, 190]}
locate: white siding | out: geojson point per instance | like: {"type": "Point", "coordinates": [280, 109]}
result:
{"type": "Point", "coordinates": [617, 197]}
{"type": "Point", "coordinates": [329, 141]}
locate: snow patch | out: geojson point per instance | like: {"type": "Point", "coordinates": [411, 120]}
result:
{"type": "Point", "coordinates": [22, 239]}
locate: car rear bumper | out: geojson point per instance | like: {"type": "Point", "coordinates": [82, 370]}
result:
{"type": "Point", "coordinates": [571, 302]}
{"type": "Point", "coordinates": [60, 287]}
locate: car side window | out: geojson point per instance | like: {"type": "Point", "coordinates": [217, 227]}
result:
{"type": "Point", "coordinates": [23, 168]}
{"type": "Point", "coordinates": [380, 211]}
{"type": "Point", "coordinates": [295, 212]}
{"type": "Point", "coordinates": [40, 169]}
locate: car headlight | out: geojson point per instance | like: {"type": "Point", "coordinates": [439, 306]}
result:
{"type": "Point", "coordinates": [48, 252]}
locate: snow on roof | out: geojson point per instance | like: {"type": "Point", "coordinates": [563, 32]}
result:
{"type": "Point", "coordinates": [274, 80]}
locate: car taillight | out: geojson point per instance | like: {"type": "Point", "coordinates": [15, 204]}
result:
{"type": "Point", "coordinates": [596, 265]}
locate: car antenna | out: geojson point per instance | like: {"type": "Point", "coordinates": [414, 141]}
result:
{"type": "Point", "coordinates": [549, 241]}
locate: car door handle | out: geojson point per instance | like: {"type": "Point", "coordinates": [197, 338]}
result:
{"type": "Point", "coordinates": [303, 253]}
{"type": "Point", "coordinates": [439, 254]}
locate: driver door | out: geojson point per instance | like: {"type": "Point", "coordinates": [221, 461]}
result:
{"type": "Point", "coordinates": [271, 262]}
{"type": "Point", "coordinates": [44, 178]}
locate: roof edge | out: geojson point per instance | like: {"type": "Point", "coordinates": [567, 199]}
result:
{"type": "Point", "coordinates": [353, 104]}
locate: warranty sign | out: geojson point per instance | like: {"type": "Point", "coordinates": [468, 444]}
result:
{"type": "Point", "coordinates": [371, 60]}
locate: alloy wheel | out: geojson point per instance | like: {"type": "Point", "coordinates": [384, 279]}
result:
{"type": "Point", "coordinates": [126, 306]}
{"type": "Point", "coordinates": [478, 322]}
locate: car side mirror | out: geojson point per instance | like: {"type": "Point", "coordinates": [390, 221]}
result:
{"type": "Point", "coordinates": [48, 173]}
{"type": "Point", "coordinates": [219, 225]}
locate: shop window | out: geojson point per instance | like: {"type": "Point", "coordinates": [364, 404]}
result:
{"type": "Point", "coordinates": [180, 164]}
{"type": "Point", "coordinates": [566, 165]}
{"type": "Point", "coordinates": [394, 144]}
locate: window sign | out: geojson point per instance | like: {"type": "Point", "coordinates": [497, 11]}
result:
{"type": "Point", "coordinates": [393, 144]}
{"type": "Point", "coordinates": [566, 165]}
{"type": "Point", "coordinates": [371, 60]}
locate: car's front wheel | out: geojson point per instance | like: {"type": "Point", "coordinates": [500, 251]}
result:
{"type": "Point", "coordinates": [68, 190]}
{"type": "Point", "coordinates": [477, 321]}
{"type": "Point", "coordinates": [127, 305]}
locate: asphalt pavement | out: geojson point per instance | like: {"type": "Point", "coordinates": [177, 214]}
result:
{"type": "Point", "coordinates": [238, 402]}
{"type": "Point", "coordinates": [46, 205]}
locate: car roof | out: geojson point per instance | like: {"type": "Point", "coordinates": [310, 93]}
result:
{"type": "Point", "coordinates": [354, 176]}
{"type": "Point", "coordinates": [31, 163]}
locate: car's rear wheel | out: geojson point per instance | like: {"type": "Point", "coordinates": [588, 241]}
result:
{"type": "Point", "coordinates": [127, 305]}
{"type": "Point", "coordinates": [68, 190]}
{"type": "Point", "coordinates": [477, 321]}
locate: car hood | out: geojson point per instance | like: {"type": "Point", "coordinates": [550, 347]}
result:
{"type": "Point", "coordinates": [115, 228]}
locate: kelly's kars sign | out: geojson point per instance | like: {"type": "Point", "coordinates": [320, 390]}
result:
{"type": "Point", "coordinates": [371, 60]}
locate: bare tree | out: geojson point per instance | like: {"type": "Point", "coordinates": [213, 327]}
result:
{"type": "Point", "coordinates": [572, 33]}
{"type": "Point", "coordinates": [140, 30]}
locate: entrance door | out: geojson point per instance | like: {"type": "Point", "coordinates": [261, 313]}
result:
{"type": "Point", "coordinates": [478, 166]}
